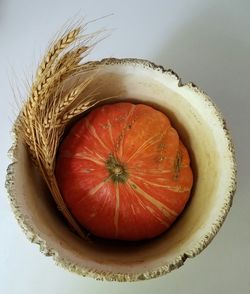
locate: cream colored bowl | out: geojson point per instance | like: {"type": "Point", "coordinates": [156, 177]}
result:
{"type": "Point", "coordinates": [203, 130]}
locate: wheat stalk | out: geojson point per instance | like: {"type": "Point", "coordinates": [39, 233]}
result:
{"type": "Point", "coordinates": [49, 108]}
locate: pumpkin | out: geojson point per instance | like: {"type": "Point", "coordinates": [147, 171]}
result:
{"type": "Point", "coordinates": [124, 172]}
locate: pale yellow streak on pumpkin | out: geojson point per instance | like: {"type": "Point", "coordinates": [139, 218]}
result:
{"type": "Point", "coordinates": [89, 150]}
{"type": "Point", "coordinates": [149, 172]}
{"type": "Point", "coordinates": [110, 133]}
{"type": "Point", "coordinates": [152, 171]}
{"type": "Point", "coordinates": [94, 134]}
{"type": "Point", "coordinates": [117, 207]}
{"type": "Point", "coordinates": [160, 220]}
{"type": "Point", "coordinates": [133, 210]}
{"type": "Point", "coordinates": [88, 170]}
{"type": "Point", "coordinates": [162, 207]}
{"type": "Point", "coordinates": [98, 186]}
{"type": "Point", "coordinates": [124, 128]}
{"type": "Point", "coordinates": [145, 145]}
{"type": "Point", "coordinates": [170, 188]}
{"type": "Point", "coordinates": [82, 156]}
{"type": "Point", "coordinates": [151, 210]}
{"type": "Point", "coordinates": [149, 142]}
{"type": "Point", "coordinates": [94, 153]}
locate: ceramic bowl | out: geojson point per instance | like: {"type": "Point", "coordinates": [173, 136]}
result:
{"type": "Point", "coordinates": [203, 130]}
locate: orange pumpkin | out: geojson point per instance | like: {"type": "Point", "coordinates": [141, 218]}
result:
{"type": "Point", "coordinates": [123, 172]}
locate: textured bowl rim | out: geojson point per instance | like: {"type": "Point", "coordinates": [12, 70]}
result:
{"type": "Point", "coordinates": [34, 237]}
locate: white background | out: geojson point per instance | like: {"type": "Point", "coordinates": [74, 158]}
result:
{"type": "Point", "coordinates": [207, 42]}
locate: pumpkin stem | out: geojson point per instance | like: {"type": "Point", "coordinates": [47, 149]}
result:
{"type": "Point", "coordinates": [117, 170]}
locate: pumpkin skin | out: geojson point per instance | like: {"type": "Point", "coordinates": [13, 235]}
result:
{"type": "Point", "coordinates": [123, 172]}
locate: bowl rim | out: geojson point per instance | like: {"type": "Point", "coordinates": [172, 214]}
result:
{"type": "Point", "coordinates": [34, 237]}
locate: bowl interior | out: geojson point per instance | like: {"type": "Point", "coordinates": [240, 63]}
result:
{"type": "Point", "coordinates": [200, 127]}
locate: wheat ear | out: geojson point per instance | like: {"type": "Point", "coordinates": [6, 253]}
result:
{"type": "Point", "coordinates": [49, 108]}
